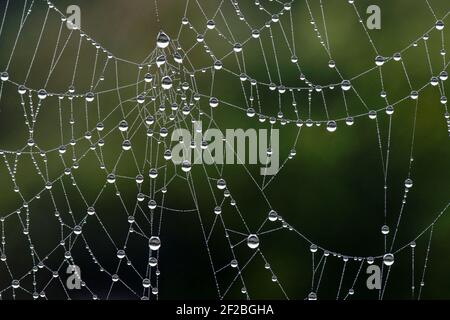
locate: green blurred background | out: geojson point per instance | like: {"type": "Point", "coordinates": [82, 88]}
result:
{"type": "Point", "coordinates": [332, 191]}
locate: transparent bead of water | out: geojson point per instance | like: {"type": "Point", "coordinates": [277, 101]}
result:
{"type": "Point", "coordinates": [237, 47]}
{"type": "Point", "coordinates": [166, 82]}
{"type": "Point", "coordinates": [77, 230]}
{"type": "Point", "coordinates": [163, 132]}
{"type": "Point", "coordinates": [346, 85]}
{"type": "Point", "coordinates": [253, 241]}
{"type": "Point", "coordinates": [372, 114]}
{"type": "Point", "coordinates": [210, 24]}
{"type": "Point", "coordinates": [434, 81]}
{"type": "Point", "coordinates": [4, 76]}
{"type": "Point", "coordinates": [121, 254]}
{"type": "Point", "coordinates": [349, 121]}
{"type": "Point", "coordinates": [126, 145]}
{"type": "Point", "coordinates": [152, 204]}
{"type": "Point", "coordinates": [140, 99]}
{"type": "Point", "coordinates": [385, 229]}
{"type": "Point", "coordinates": [218, 65]}
{"type": "Point", "coordinates": [439, 25]}
{"type": "Point", "coordinates": [139, 178]}
{"type": "Point", "coordinates": [408, 183]}
{"type": "Point", "coordinates": [313, 248]}
{"type": "Point", "coordinates": [89, 97]}
{"type": "Point", "coordinates": [390, 110]}
{"type": "Point", "coordinates": [15, 284]}
{"type": "Point", "coordinates": [388, 259]}
{"type": "Point", "coordinates": [154, 243]}
{"type": "Point", "coordinates": [234, 263]}
{"type": "Point", "coordinates": [162, 40]}
{"type": "Point", "coordinates": [148, 78]}
{"type": "Point", "coordinates": [273, 215]}
{"type": "Point", "coordinates": [312, 296]}
{"type": "Point", "coordinates": [255, 34]}
{"type": "Point", "coordinates": [331, 126]}
{"type": "Point", "coordinates": [22, 89]}
{"type": "Point", "coordinates": [186, 166]}
{"type": "Point", "coordinates": [213, 102]}
{"type": "Point", "coordinates": [91, 211]}
{"type": "Point", "coordinates": [146, 283]}
{"type": "Point", "coordinates": [379, 60]}
{"type": "Point", "coordinates": [111, 178]}
{"type": "Point", "coordinates": [42, 94]}
{"type": "Point", "coordinates": [221, 184]}
{"type": "Point", "coordinates": [152, 262]}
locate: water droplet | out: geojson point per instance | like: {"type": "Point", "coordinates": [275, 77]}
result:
{"type": "Point", "coordinates": [22, 89]}
{"type": "Point", "coordinates": [146, 283]}
{"type": "Point", "coordinates": [15, 284]}
{"type": "Point", "coordinates": [154, 243]}
{"type": "Point", "coordinates": [218, 65]}
{"type": "Point", "coordinates": [148, 78]}
{"type": "Point", "coordinates": [162, 40]}
{"type": "Point", "coordinates": [152, 262]}
{"type": "Point", "coordinates": [152, 204]}
{"type": "Point", "coordinates": [221, 184]}
{"type": "Point", "coordinates": [408, 183]}
{"type": "Point", "coordinates": [4, 76]}
{"type": "Point", "coordinates": [126, 145]}
{"type": "Point", "coordinates": [379, 60]}
{"type": "Point", "coordinates": [389, 110]}
{"type": "Point", "coordinates": [331, 126]}
{"type": "Point", "coordinates": [77, 230]}
{"type": "Point", "coordinates": [346, 85]}
{"type": "Point", "coordinates": [111, 178]}
{"type": "Point", "coordinates": [253, 241]}
{"type": "Point", "coordinates": [213, 102]}
{"type": "Point", "coordinates": [166, 82]}
{"type": "Point", "coordinates": [89, 97]}
{"type": "Point", "coordinates": [397, 56]}
{"type": "Point", "coordinates": [120, 254]}
{"type": "Point", "coordinates": [439, 25]}
{"type": "Point", "coordinates": [210, 24]}
{"type": "Point", "coordinates": [388, 259]}
{"type": "Point", "coordinates": [312, 296]}
{"type": "Point", "coordinates": [186, 166]}
{"type": "Point", "coordinates": [273, 215]}
{"type": "Point", "coordinates": [42, 94]}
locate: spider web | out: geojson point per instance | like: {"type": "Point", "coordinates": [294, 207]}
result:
{"type": "Point", "coordinates": [88, 179]}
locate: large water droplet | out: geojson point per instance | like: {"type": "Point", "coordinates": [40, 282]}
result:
{"type": "Point", "coordinates": [253, 241]}
{"type": "Point", "coordinates": [162, 40]}
{"type": "Point", "coordinates": [154, 243]}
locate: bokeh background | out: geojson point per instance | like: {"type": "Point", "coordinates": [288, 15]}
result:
{"type": "Point", "coordinates": [331, 191]}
